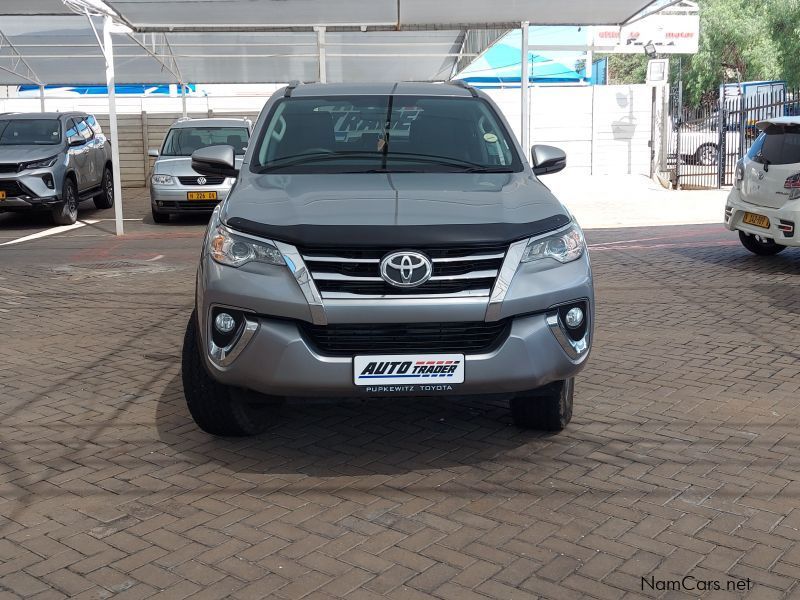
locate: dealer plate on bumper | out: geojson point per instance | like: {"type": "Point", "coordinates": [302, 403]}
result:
{"type": "Point", "coordinates": [394, 369]}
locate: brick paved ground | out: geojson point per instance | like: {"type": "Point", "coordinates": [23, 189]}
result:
{"type": "Point", "coordinates": [681, 458]}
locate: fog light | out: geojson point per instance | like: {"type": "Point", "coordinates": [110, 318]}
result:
{"type": "Point", "coordinates": [224, 323]}
{"type": "Point", "coordinates": [574, 318]}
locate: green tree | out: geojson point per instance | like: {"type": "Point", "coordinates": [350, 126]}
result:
{"type": "Point", "coordinates": [626, 68]}
{"type": "Point", "coordinates": [736, 41]}
{"type": "Point", "coordinates": [784, 26]}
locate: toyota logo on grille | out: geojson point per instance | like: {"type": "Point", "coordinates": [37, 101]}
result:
{"type": "Point", "coordinates": [201, 181]}
{"type": "Point", "coordinates": [406, 269]}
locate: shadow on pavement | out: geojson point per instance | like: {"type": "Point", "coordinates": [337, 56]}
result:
{"type": "Point", "coordinates": [354, 437]}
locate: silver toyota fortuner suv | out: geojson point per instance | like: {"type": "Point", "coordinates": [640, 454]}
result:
{"type": "Point", "coordinates": [175, 187]}
{"type": "Point", "coordinates": [386, 240]}
{"type": "Point", "coordinates": [52, 162]}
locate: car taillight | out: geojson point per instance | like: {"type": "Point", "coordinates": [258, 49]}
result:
{"type": "Point", "coordinates": [738, 176]}
{"type": "Point", "coordinates": [792, 183]}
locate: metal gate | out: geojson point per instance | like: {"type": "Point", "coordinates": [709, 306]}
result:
{"type": "Point", "coordinates": [705, 142]}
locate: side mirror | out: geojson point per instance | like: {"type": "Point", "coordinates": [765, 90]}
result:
{"type": "Point", "coordinates": [215, 160]}
{"type": "Point", "coordinates": [75, 140]}
{"type": "Point", "coordinates": [153, 152]}
{"type": "Point", "coordinates": [547, 159]}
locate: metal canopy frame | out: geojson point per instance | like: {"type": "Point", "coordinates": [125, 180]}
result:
{"type": "Point", "coordinates": [438, 37]}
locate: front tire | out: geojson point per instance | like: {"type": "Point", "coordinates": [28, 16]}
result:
{"type": "Point", "coordinates": [548, 408]}
{"type": "Point", "coordinates": [215, 407]}
{"type": "Point", "coordinates": [766, 247]}
{"type": "Point", "coordinates": [66, 213]}
{"type": "Point", "coordinates": [106, 197]}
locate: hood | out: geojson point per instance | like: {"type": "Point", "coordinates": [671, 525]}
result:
{"type": "Point", "coordinates": [20, 154]}
{"type": "Point", "coordinates": [391, 209]}
{"type": "Point", "coordinates": [180, 165]}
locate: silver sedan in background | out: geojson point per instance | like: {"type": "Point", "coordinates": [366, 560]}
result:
{"type": "Point", "coordinates": [177, 188]}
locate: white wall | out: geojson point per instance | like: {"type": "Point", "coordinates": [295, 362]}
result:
{"type": "Point", "coordinates": [605, 130]}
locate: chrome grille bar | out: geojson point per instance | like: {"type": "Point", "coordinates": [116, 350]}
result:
{"type": "Point", "coordinates": [351, 273]}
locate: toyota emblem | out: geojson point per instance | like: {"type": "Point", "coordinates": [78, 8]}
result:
{"type": "Point", "coordinates": [406, 269]}
{"type": "Point", "coordinates": [201, 181]}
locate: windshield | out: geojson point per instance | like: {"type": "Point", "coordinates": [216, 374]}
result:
{"type": "Point", "coordinates": [182, 141]}
{"type": "Point", "coordinates": [25, 132]}
{"type": "Point", "coordinates": [401, 134]}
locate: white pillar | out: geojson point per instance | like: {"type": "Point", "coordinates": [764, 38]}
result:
{"type": "Point", "coordinates": [323, 67]}
{"type": "Point", "coordinates": [108, 51]}
{"type": "Point", "coordinates": [183, 99]}
{"type": "Point", "coordinates": [524, 85]}
{"type": "Point", "coordinates": [41, 97]}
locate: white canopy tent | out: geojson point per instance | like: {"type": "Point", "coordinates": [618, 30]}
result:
{"type": "Point", "coordinates": [269, 41]}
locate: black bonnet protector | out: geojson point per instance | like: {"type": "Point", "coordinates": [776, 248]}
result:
{"type": "Point", "coordinates": [400, 236]}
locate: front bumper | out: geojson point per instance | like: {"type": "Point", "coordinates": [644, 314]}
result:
{"type": "Point", "coordinates": [174, 198]}
{"type": "Point", "coordinates": [28, 191]}
{"type": "Point", "coordinates": [779, 219]}
{"type": "Point", "coordinates": [274, 358]}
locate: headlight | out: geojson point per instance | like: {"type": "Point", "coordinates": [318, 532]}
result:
{"type": "Point", "coordinates": [233, 250]}
{"type": "Point", "coordinates": [162, 180]}
{"type": "Point", "coordinates": [40, 164]}
{"type": "Point", "coordinates": [565, 246]}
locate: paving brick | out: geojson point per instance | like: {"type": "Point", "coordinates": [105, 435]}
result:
{"type": "Point", "coordinates": [680, 457]}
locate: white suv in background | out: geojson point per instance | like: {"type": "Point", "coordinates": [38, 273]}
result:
{"type": "Point", "coordinates": [764, 204]}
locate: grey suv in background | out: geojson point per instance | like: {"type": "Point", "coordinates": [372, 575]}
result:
{"type": "Point", "coordinates": [177, 188]}
{"type": "Point", "coordinates": [53, 161]}
{"type": "Point", "coordinates": [386, 240]}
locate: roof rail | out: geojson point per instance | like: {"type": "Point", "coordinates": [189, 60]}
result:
{"type": "Point", "coordinates": [290, 88]}
{"type": "Point", "coordinates": [463, 84]}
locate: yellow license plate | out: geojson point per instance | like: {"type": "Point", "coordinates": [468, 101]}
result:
{"type": "Point", "coordinates": [201, 195]}
{"type": "Point", "coordinates": [757, 220]}
{"type": "Point", "coordinates": [2, 195]}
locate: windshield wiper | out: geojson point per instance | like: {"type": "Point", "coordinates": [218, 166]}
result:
{"type": "Point", "coordinates": [459, 166]}
{"type": "Point", "coordinates": [439, 160]}
{"type": "Point", "coordinates": [489, 170]}
{"type": "Point", "coordinates": [300, 159]}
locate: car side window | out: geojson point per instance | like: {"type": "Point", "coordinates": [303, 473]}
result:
{"type": "Point", "coordinates": [92, 122]}
{"type": "Point", "coordinates": [84, 129]}
{"type": "Point", "coordinates": [755, 149]}
{"type": "Point", "coordinates": [70, 129]}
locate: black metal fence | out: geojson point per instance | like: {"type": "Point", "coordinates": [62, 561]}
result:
{"type": "Point", "coordinates": [704, 143]}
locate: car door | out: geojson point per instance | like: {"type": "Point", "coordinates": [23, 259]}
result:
{"type": "Point", "coordinates": [772, 166]}
{"type": "Point", "coordinates": [98, 151]}
{"type": "Point", "coordinates": [86, 132]}
{"type": "Point", "coordinates": [78, 155]}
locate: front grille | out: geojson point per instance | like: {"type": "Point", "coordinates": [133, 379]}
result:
{"type": "Point", "coordinates": [193, 180]}
{"type": "Point", "coordinates": [9, 167]}
{"type": "Point", "coordinates": [343, 273]}
{"type": "Point", "coordinates": [397, 338]}
{"type": "Point", "coordinates": [13, 188]}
